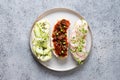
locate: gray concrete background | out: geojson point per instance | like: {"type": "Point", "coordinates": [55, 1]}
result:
{"type": "Point", "coordinates": [16, 19]}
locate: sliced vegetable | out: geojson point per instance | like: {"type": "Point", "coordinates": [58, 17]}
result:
{"type": "Point", "coordinates": [41, 45]}
{"type": "Point", "coordinates": [78, 41]}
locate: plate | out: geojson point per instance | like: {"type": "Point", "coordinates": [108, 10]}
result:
{"type": "Point", "coordinates": [53, 15]}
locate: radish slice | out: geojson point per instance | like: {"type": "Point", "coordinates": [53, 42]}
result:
{"type": "Point", "coordinates": [78, 40]}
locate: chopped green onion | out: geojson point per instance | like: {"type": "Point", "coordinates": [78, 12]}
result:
{"type": "Point", "coordinates": [57, 34]}
{"type": "Point", "coordinates": [85, 31]}
{"type": "Point", "coordinates": [64, 42]}
{"type": "Point", "coordinates": [61, 30]}
{"type": "Point", "coordinates": [64, 26]}
{"type": "Point", "coordinates": [73, 37]}
{"type": "Point", "coordinates": [62, 51]}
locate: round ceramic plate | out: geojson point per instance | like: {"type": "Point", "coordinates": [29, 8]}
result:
{"type": "Point", "coordinates": [53, 16]}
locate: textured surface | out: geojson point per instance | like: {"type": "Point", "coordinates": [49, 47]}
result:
{"type": "Point", "coordinates": [16, 19]}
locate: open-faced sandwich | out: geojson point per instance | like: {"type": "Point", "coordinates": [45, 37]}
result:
{"type": "Point", "coordinates": [78, 40]}
{"type": "Point", "coordinates": [59, 38]}
{"type": "Point", "coordinates": [40, 42]}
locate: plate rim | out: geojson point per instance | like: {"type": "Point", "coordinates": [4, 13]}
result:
{"type": "Point", "coordinates": [47, 12]}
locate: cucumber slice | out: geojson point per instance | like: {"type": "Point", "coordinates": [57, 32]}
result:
{"type": "Point", "coordinates": [40, 42]}
{"type": "Point", "coordinates": [37, 31]}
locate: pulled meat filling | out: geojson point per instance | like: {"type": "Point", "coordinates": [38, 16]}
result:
{"type": "Point", "coordinates": [59, 36]}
